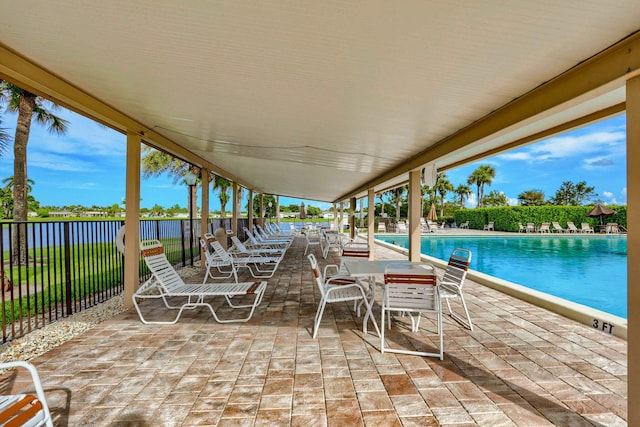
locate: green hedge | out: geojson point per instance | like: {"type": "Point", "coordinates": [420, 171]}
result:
{"type": "Point", "coordinates": [506, 218]}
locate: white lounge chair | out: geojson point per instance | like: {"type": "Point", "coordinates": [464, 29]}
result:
{"type": "Point", "coordinates": [257, 240]}
{"type": "Point", "coordinates": [25, 409]}
{"type": "Point", "coordinates": [557, 227]}
{"type": "Point", "coordinates": [612, 228]}
{"type": "Point", "coordinates": [586, 228]}
{"type": "Point", "coordinates": [531, 227]}
{"type": "Point", "coordinates": [521, 228]}
{"type": "Point", "coordinates": [412, 289]}
{"type": "Point", "coordinates": [572, 227]}
{"type": "Point", "coordinates": [401, 227]}
{"type": "Point", "coordinates": [166, 284]}
{"type": "Point", "coordinates": [464, 225]}
{"type": "Point", "coordinates": [452, 282]}
{"type": "Point", "coordinates": [433, 226]}
{"type": "Point", "coordinates": [544, 228]}
{"type": "Point", "coordinates": [382, 228]}
{"type": "Point", "coordinates": [224, 265]}
{"type": "Point", "coordinates": [488, 227]}
{"type": "Point", "coordinates": [338, 289]}
{"type": "Point", "coordinates": [239, 248]}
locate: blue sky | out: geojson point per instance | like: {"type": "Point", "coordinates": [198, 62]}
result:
{"type": "Point", "coordinates": [87, 166]}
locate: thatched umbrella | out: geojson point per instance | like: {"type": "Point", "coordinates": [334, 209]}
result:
{"type": "Point", "coordinates": [599, 211]}
{"type": "Point", "coordinates": [303, 211]}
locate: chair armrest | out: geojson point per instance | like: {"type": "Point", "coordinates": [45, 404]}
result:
{"type": "Point", "coordinates": [329, 267]}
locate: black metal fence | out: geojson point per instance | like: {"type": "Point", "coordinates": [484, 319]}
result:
{"type": "Point", "coordinates": [56, 268]}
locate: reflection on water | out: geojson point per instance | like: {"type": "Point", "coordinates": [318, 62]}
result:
{"type": "Point", "coordinates": [587, 270]}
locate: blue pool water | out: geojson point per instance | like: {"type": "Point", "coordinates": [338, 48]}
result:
{"type": "Point", "coordinates": [588, 270]}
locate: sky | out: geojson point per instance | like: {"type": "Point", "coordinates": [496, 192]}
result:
{"type": "Point", "coordinates": [87, 166]}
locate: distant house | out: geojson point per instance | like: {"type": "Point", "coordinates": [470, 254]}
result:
{"type": "Point", "coordinates": [61, 214]}
{"type": "Point", "coordinates": [93, 214]}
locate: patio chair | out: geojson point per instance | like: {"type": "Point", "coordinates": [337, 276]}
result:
{"type": "Point", "coordinates": [25, 409]}
{"type": "Point", "coordinates": [452, 282]}
{"type": "Point", "coordinates": [382, 228]}
{"type": "Point", "coordinates": [586, 228]}
{"type": "Point", "coordinates": [254, 242]}
{"type": "Point", "coordinates": [401, 227]}
{"type": "Point", "coordinates": [166, 284]}
{"type": "Point", "coordinates": [412, 289]}
{"type": "Point", "coordinates": [259, 266]}
{"type": "Point", "coordinates": [612, 228]}
{"type": "Point", "coordinates": [544, 228]}
{"type": "Point", "coordinates": [557, 227]}
{"type": "Point", "coordinates": [432, 226]}
{"type": "Point", "coordinates": [273, 236]}
{"type": "Point", "coordinates": [338, 289]}
{"type": "Point", "coordinates": [572, 227]}
{"type": "Point", "coordinates": [310, 243]}
{"type": "Point", "coordinates": [464, 225]}
{"type": "Point", "coordinates": [531, 227]}
{"type": "Point", "coordinates": [521, 228]}
{"type": "Point", "coordinates": [331, 240]}
{"type": "Point", "coordinates": [489, 226]}
{"type": "Point", "coordinates": [223, 264]}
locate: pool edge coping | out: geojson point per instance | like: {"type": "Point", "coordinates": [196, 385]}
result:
{"type": "Point", "coordinates": [572, 310]}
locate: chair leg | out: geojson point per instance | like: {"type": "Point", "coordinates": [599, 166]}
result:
{"type": "Point", "coordinates": [316, 323]}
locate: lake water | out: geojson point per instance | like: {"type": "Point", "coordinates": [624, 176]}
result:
{"type": "Point", "coordinates": [590, 270]}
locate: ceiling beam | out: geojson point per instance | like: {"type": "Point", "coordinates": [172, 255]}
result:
{"type": "Point", "coordinates": [29, 76]}
{"type": "Point", "coordinates": [607, 70]}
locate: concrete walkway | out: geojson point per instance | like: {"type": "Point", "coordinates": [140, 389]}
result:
{"type": "Point", "coordinates": [521, 366]}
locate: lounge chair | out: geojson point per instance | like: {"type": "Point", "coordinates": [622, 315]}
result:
{"type": "Point", "coordinates": [521, 228]}
{"type": "Point", "coordinates": [544, 228]}
{"type": "Point", "coordinates": [558, 228]}
{"type": "Point", "coordinates": [531, 227]}
{"type": "Point", "coordinates": [433, 226]}
{"type": "Point", "coordinates": [254, 241]}
{"type": "Point", "coordinates": [338, 289]}
{"type": "Point", "coordinates": [223, 264]}
{"type": "Point", "coordinates": [489, 226]}
{"type": "Point", "coordinates": [382, 228]}
{"type": "Point", "coordinates": [401, 227]}
{"type": "Point", "coordinates": [452, 282]}
{"type": "Point", "coordinates": [166, 284]}
{"type": "Point", "coordinates": [612, 228]}
{"type": "Point", "coordinates": [412, 289]}
{"type": "Point", "coordinates": [25, 409]}
{"type": "Point", "coordinates": [464, 225]}
{"type": "Point", "coordinates": [586, 228]}
{"type": "Point", "coordinates": [572, 227]}
{"type": "Point", "coordinates": [238, 248]}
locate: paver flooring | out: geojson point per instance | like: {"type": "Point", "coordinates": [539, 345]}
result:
{"type": "Point", "coordinates": [521, 366]}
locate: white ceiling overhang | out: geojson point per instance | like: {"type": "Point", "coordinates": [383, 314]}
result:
{"type": "Point", "coordinates": [322, 100]}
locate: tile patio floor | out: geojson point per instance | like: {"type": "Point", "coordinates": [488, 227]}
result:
{"type": "Point", "coordinates": [522, 366]}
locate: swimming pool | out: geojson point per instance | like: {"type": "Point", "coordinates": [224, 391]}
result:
{"type": "Point", "coordinates": [590, 270]}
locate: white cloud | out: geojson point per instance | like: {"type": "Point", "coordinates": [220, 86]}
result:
{"type": "Point", "coordinates": [471, 201]}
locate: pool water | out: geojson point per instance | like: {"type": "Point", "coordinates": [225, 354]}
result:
{"type": "Point", "coordinates": [588, 270]}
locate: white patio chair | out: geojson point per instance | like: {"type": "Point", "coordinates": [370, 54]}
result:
{"type": "Point", "coordinates": [401, 227]}
{"type": "Point", "coordinates": [166, 284]}
{"type": "Point", "coordinates": [239, 248]}
{"type": "Point", "coordinates": [531, 227]}
{"type": "Point", "coordinates": [557, 227]}
{"type": "Point", "coordinates": [452, 282]}
{"type": "Point", "coordinates": [223, 264]}
{"type": "Point", "coordinates": [544, 228]}
{"type": "Point", "coordinates": [310, 243]}
{"type": "Point", "coordinates": [572, 227]}
{"type": "Point", "coordinates": [586, 228]}
{"type": "Point", "coordinates": [464, 225]}
{"type": "Point", "coordinates": [257, 241]}
{"type": "Point", "coordinates": [488, 227]}
{"type": "Point", "coordinates": [338, 289]}
{"type": "Point", "coordinates": [382, 228]}
{"type": "Point", "coordinates": [331, 240]}
{"type": "Point", "coordinates": [412, 289]}
{"type": "Point", "coordinates": [25, 409]}
{"type": "Point", "coordinates": [260, 266]}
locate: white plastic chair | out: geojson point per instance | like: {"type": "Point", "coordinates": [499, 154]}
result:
{"type": "Point", "coordinates": [311, 243]}
{"type": "Point", "coordinates": [452, 282]}
{"type": "Point", "coordinates": [338, 289]}
{"type": "Point", "coordinates": [25, 409]}
{"type": "Point", "coordinates": [223, 264]}
{"type": "Point", "coordinates": [412, 288]}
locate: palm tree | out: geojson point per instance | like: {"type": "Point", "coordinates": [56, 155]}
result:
{"type": "Point", "coordinates": [397, 194]}
{"type": "Point", "coordinates": [481, 176]}
{"type": "Point", "coordinates": [463, 192]}
{"type": "Point", "coordinates": [443, 186]}
{"type": "Point", "coordinates": [222, 185]}
{"type": "Point", "coordinates": [29, 107]}
{"type": "Point", "coordinates": [156, 163]}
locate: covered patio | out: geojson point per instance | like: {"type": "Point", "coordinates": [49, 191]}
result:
{"type": "Point", "coordinates": [522, 365]}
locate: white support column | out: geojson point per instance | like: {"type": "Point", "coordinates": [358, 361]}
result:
{"type": "Point", "coordinates": [341, 222]}
{"type": "Point", "coordinates": [132, 220]}
{"type": "Point", "coordinates": [261, 219]}
{"type": "Point", "coordinates": [633, 249]}
{"type": "Point", "coordinates": [335, 216]}
{"type": "Point", "coordinates": [371, 221]}
{"type": "Point", "coordinates": [414, 215]}
{"type": "Point", "coordinates": [278, 210]}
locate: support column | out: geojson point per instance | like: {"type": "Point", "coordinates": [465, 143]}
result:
{"type": "Point", "coordinates": [278, 210]}
{"type": "Point", "coordinates": [371, 222]}
{"type": "Point", "coordinates": [341, 221]}
{"type": "Point", "coordinates": [235, 211]}
{"type": "Point", "coordinates": [352, 218]}
{"type": "Point", "coordinates": [633, 249]}
{"type": "Point", "coordinates": [132, 220]}
{"type": "Point", "coordinates": [414, 215]}
{"type": "Point", "coordinates": [335, 217]}
{"type": "Point", "coordinates": [250, 211]}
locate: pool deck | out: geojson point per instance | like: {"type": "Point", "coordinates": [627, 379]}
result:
{"type": "Point", "coordinates": [521, 366]}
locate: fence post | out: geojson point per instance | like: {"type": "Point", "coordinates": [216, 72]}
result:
{"type": "Point", "coordinates": [67, 267]}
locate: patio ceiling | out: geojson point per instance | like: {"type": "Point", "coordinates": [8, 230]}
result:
{"type": "Point", "coordinates": [321, 100]}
